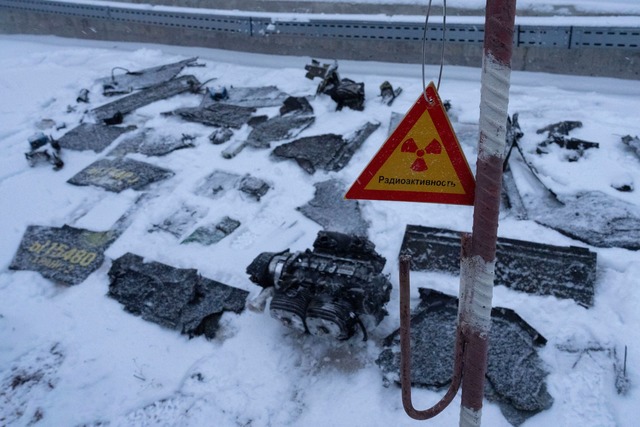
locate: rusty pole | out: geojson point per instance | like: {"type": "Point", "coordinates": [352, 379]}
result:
{"type": "Point", "coordinates": [479, 255]}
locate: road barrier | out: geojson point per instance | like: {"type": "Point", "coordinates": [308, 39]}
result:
{"type": "Point", "coordinates": [586, 50]}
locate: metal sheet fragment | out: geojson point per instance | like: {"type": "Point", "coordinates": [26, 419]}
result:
{"type": "Point", "coordinates": [333, 212]}
{"type": "Point", "coordinates": [120, 174]}
{"type": "Point", "coordinates": [539, 269]}
{"type": "Point", "coordinates": [329, 152]}
{"type": "Point", "coordinates": [89, 136]}
{"type": "Point", "coordinates": [113, 112]}
{"type": "Point", "coordinates": [175, 298]}
{"type": "Point", "coordinates": [516, 375]}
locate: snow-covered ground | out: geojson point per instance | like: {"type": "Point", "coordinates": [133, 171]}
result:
{"type": "Point", "coordinates": [72, 356]}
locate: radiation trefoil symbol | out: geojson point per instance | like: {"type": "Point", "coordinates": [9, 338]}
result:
{"type": "Point", "coordinates": [420, 164]}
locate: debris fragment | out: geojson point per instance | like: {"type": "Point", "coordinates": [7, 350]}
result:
{"type": "Point", "coordinates": [333, 212]}
{"type": "Point", "coordinates": [217, 115]}
{"type": "Point", "coordinates": [219, 182]}
{"type": "Point", "coordinates": [89, 136]}
{"type": "Point", "coordinates": [213, 233]}
{"type": "Point", "coordinates": [220, 136]}
{"type": "Point", "coordinates": [83, 96]}
{"type": "Point", "coordinates": [150, 143]}
{"type": "Point", "coordinates": [118, 84]}
{"type": "Point", "coordinates": [516, 378]}
{"type": "Point", "coordinates": [345, 92]}
{"type": "Point", "coordinates": [32, 378]}
{"type": "Point", "coordinates": [388, 93]}
{"type": "Point", "coordinates": [329, 152]}
{"type": "Point", "coordinates": [39, 154]}
{"type": "Point", "coordinates": [114, 112]}
{"type": "Point", "coordinates": [591, 217]}
{"type": "Point", "coordinates": [633, 142]}
{"type": "Point", "coordinates": [296, 114]}
{"type": "Point", "coordinates": [180, 221]}
{"type": "Point", "coordinates": [623, 384]}
{"type": "Point", "coordinates": [536, 268]}
{"type": "Point", "coordinates": [252, 97]}
{"type": "Point", "coordinates": [119, 174]}
{"type": "Point", "coordinates": [176, 298]}
{"type": "Point", "coordinates": [330, 291]}
{"type": "Point", "coordinates": [64, 254]}
{"type": "Point", "coordinates": [557, 133]}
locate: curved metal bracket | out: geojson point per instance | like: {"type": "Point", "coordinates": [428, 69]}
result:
{"type": "Point", "coordinates": [405, 353]}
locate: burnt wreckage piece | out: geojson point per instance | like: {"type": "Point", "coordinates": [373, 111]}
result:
{"type": "Point", "coordinates": [535, 268]}
{"type": "Point", "coordinates": [345, 92]}
{"type": "Point", "coordinates": [330, 291]}
{"type": "Point", "coordinates": [632, 142]}
{"type": "Point", "coordinates": [333, 212]}
{"type": "Point", "coordinates": [176, 298]}
{"type": "Point", "coordinates": [388, 93]}
{"type": "Point", "coordinates": [38, 153]}
{"type": "Point", "coordinates": [119, 174]}
{"type": "Point", "coordinates": [592, 217]}
{"type": "Point", "coordinates": [219, 182]}
{"type": "Point", "coordinates": [557, 134]}
{"type": "Point", "coordinates": [295, 115]}
{"type": "Point", "coordinates": [127, 82]}
{"type": "Point", "coordinates": [329, 152]}
{"type": "Point", "coordinates": [89, 136]}
{"type": "Point", "coordinates": [216, 115]}
{"type": "Point", "coordinates": [213, 233]}
{"type": "Point", "coordinates": [515, 373]}
{"type": "Point", "coordinates": [254, 97]}
{"type": "Point", "coordinates": [149, 143]}
{"type": "Point", "coordinates": [114, 112]}
{"type": "Point", "coordinates": [63, 254]}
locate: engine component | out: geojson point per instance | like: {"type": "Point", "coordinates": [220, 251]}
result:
{"type": "Point", "coordinates": [330, 291]}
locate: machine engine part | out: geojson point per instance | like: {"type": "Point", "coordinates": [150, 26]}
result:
{"type": "Point", "coordinates": [330, 291]}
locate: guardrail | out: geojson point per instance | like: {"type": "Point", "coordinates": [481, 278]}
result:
{"type": "Point", "coordinates": [341, 36]}
{"type": "Point", "coordinates": [570, 37]}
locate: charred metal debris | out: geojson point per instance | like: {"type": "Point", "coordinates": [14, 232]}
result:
{"type": "Point", "coordinates": [219, 182]}
{"type": "Point", "coordinates": [334, 290]}
{"type": "Point", "coordinates": [119, 174]}
{"type": "Point", "coordinates": [328, 152]}
{"type": "Point", "coordinates": [558, 134]}
{"type": "Point", "coordinates": [175, 298]}
{"type": "Point", "coordinates": [516, 375]}
{"type": "Point", "coordinates": [39, 153]}
{"type": "Point", "coordinates": [388, 94]}
{"type": "Point", "coordinates": [149, 143]}
{"type": "Point", "coordinates": [90, 136]}
{"type": "Point", "coordinates": [534, 268]}
{"type": "Point", "coordinates": [113, 113]}
{"type": "Point", "coordinates": [591, 217]}
{"type": "Point", "coordinates": [127, 82]}
{"type": "Point", "coordinates": [332, 211]}
{"type": "Point", "coordinates": [345, 92]}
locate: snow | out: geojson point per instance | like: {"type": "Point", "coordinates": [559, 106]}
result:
{"type": "Point", "coordinates": [98, 363]}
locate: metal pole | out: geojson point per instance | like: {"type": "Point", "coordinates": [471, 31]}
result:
{"type": "Point", "coordinates": [478, 260]}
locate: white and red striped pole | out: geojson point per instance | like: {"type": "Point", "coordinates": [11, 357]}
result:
{"type": "Point", "coordinates": [479, 250]}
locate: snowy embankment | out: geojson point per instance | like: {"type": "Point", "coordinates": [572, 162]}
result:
{"type": "Point", "coordinates": [72, 356]}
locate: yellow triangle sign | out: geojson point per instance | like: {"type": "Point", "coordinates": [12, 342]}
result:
{"type": "Point", "coordinates": [420, 162]}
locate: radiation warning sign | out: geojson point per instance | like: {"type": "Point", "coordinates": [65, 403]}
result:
{"type": "Point", "coordinates": [420, 162]}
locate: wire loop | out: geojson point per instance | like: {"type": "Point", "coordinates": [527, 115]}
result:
{"type": "Point", "coordinates": [424, 44]}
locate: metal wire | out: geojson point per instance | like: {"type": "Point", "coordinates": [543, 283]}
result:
{"type": "Point", "coordinates": [424, 44]}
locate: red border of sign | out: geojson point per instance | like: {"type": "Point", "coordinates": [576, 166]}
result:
{"type": "Point", "coordinates": [449, 140]}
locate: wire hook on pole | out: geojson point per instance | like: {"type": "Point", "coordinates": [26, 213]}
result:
{"type": "Point", "coordinates": [424, 48]}
{"type": "Point", "coordinates": [405, 353]}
